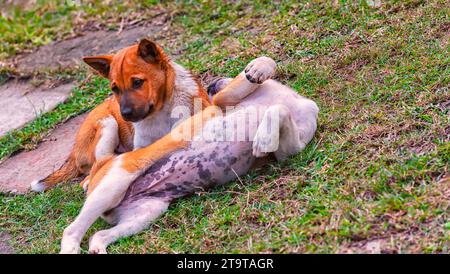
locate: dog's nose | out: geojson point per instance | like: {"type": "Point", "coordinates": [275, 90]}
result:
{"type": "Point", "coordinates": [126, 112]}
{"type": "Point", "coordinates": [150, 107]}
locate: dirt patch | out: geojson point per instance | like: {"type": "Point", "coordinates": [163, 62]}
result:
{"type": "Point", "coordinates": [68, 53]}
{"type": "Point", "coordinates": [5, 247]}
{"type": "Point", "coordinates": [22, 103]}
{"type": "Point", "coordinates": [18, 171]}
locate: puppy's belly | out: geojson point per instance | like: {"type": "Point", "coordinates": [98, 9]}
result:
{"type": "Point", "coordinates": [202, 165]}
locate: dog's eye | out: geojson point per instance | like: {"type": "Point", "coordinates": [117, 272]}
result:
{"type": "Point", "coordinates": [137, 83]}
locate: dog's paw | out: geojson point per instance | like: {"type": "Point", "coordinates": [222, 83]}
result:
{"type": "Point", "coordinates": [260, 69]}
{"type": "Point", "coordinates": [97, 244]}
{"type": "Point", "coordinates": [265, 141]}
{"type": "Point", "coordinates": [97, 250]}
{"type": "Point", "coordinates": [38, 186]}
{"type": "Point", "coordinates": [70, 248]}
{"type": "Point", "coordinates": [85, 183]}
{"type": "Point", "coordinates": [261, 145]}
{"type": "Point", "coordinates": [257, 150]}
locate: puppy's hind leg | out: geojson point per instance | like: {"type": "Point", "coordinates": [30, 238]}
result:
{"type": "Point", "coordinates": [133, 218]}
{"type": "Point", "coordinates": [277, 133]}
{"type": "Point", "coordinates": [256, 72]}
{"type": "Point", "coordinates": [106, 194]}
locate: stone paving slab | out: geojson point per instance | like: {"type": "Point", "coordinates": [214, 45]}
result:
{"type": "Point", "coordinates": [68, 53]}
{"type": "Point", "coordinates": [19, 170]}
{"type": "Point", "coordinates": [21, 103]}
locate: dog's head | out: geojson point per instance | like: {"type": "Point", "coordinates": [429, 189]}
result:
{"type": "Point", "coordinates": [140, 76]}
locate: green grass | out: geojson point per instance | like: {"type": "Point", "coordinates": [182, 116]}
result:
{"type": "Point", "coordinates": [375, 170]}
{"type": "Point", "coordinates": [23, 28]}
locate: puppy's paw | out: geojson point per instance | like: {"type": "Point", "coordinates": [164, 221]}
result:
{"type": "Point", "coordinates": [97, 244]}
{"type": "Point", "coordinates": [261, 145]}
{"type": "Point", "coordinates": [265, 141]}
{"type": "Point", "coordinates": [257, 150]}
{"type": "Point", "coordinates": [85, 183]}
{"type": "Point", "coordinates": [97, 250]}
{"type": "Point", "coordinates": [260, 69]}
{"type": "Point", "coordinates": [70, 248]}
{"type": "Point", "coordinates": [38, 186]}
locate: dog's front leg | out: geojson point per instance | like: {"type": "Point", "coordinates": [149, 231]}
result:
{"type": "Point", "coordinates": [107, 194]}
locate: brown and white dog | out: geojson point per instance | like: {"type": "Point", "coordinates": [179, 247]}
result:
{"type": "Point", "coordinates": [147, 87]}
{"type": "Point", "coordinates": [206, 150]}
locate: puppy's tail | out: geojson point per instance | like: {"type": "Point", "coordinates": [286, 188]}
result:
{"type": "Point", "coordinates": [67, 171]}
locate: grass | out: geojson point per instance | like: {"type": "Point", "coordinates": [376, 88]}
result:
{"type": "Point", "coordinates": [375, 172]}
{"type": "Point", "coordinates": [24, 28]}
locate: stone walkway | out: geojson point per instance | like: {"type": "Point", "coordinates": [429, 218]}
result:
{"type": "Point", "coordinates": [19, 170]}
{"type": "Point", "coordinates": [69, 53]}
{"type": "Point", "coordinates": [22, 103]}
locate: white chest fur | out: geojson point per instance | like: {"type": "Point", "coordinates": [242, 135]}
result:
{"type": "Point", "coordinates": [151, 129]}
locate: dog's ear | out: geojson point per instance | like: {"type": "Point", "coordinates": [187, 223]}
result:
{"type": "Point", "coordinates": [149, 51]}
{"type": "Point", "coordinates": [101, 64]}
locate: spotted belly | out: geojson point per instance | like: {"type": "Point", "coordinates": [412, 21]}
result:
{"type": "Point", "coordinates": [200, 166]}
